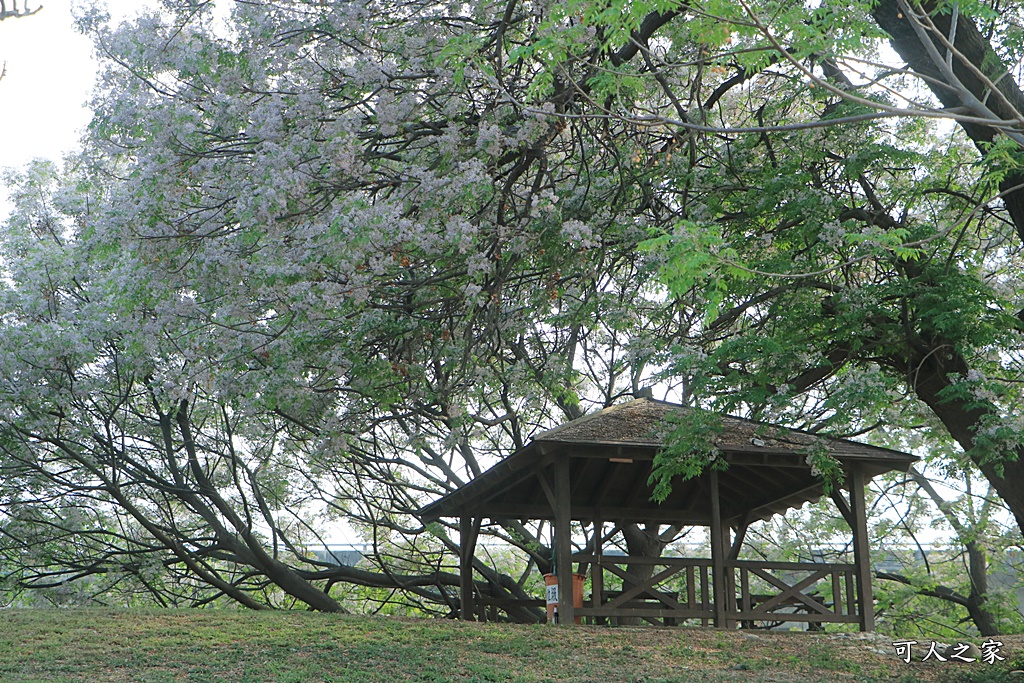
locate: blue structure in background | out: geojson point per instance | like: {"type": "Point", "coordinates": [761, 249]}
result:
{"type": "Point", "coordinates": [341, 555]}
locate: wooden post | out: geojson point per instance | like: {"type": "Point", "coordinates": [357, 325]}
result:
{"type": "Point", "coordinates": [596, 572]}
{"type": "Point", "coordinates": [717, 553]}
{"type": "Point", "coordinates": [861, 548]}
{"type": "Point", "coordinates": [468, 530]}
{"type": "Point", "coordinates": [563, 540]}
{"type": "Point", "coordinates": [729, 574]}
{"type": "Point", "coordinates": [705, 595]}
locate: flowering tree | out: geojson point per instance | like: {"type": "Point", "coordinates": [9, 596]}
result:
{"type": "Point", "coordinates": [335, 258]}
{"type": "Point", "coordinates": [316, 271]}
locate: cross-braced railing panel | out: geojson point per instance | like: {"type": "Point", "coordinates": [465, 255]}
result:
{"type": "Point", "coordinates": [792, 591]}
{"type": "Point", "coordinates": [677, 589]}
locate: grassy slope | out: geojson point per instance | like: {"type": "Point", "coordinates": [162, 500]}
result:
{"type": "Point", "coordinates": [107, 646]}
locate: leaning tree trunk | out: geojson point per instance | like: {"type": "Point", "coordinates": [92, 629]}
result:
{"type": "Point", "coordinates": [934, 368]}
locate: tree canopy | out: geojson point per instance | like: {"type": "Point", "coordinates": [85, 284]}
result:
{"type": "Point", "coordinates": [332, 259]}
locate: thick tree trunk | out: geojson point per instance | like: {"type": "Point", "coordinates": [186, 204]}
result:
{"type": "Point", "coordinates": [640, 543]}
{"type": "Point", "coordinates": [930, 371]}
{"type": "Point", "coordinates": [977, 607]}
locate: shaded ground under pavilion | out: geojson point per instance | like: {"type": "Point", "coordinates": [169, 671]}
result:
{"type": "Point", "coordinates": [596, 470]}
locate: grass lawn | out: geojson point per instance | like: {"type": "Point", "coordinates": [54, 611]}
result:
{"type": "Point", "coordinates": [122, 646]}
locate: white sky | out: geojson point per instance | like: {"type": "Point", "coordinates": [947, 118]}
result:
{"type": "Point", "coordinates": [50, 72]}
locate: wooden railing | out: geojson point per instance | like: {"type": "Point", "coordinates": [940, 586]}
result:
{"type": "Point", "coordinates": [681, 590]}
{"type": "Point", "coordinates": [807, 592]}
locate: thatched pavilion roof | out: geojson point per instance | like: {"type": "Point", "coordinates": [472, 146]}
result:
{"type": "Point", "coordinates": [610, 455]}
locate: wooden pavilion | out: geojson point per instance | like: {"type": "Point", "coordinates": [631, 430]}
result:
{"type": "Point", "coordinates": [595, 470]}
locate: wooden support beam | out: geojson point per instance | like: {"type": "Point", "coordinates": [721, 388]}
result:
{"type": "Point", "coordinates": [729, 573]}
{"type": "Point", "coordinates": [596, 570]}
{"type": "Point", "coordinates": [605, 452]}
{"type": "Point", "coordinates": [844, 507]}
{"type": "Point", "coordinates": [717, 553]}
{"type": "Point", "coordinates": [545, 486]}
{"type": "Point", "coordinates": [563, 539]}
{"type": "Point", "coordinates": [737, 543]}
{"type": "Point", "coordinates": [763, 457]}
{"type": "Point", "coordinates": [705, 599]}
{"type": "Point", "coordinates": [861, 548]}
{"type": "Point", "coordinates": [469, 529]}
